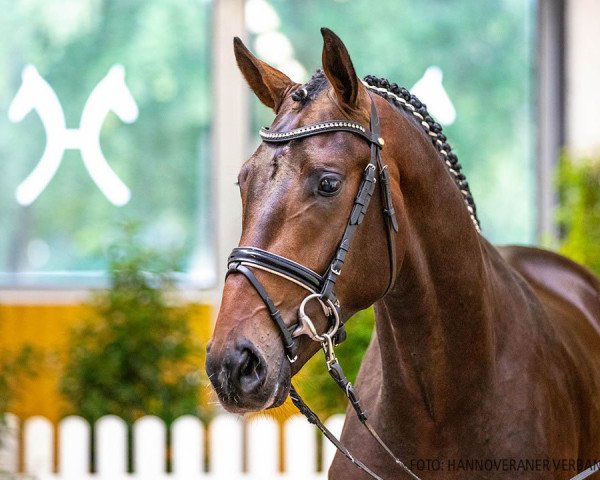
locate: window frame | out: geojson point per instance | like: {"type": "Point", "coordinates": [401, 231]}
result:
{"type": "Point", "coordinates": [550, 111]}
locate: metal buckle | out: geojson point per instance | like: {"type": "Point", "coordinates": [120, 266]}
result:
{"type": "Point", "coordinates": [328, 348]}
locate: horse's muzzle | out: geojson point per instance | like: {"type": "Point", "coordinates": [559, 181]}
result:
{"type": "Point", "coordinates": [239, 375]}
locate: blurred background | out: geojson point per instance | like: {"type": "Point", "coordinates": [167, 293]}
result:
{"type": "Point", "coordinates": [116, 224]}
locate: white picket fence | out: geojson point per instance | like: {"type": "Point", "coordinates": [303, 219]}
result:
{"type": "Point", "coordinates": [233, 443]}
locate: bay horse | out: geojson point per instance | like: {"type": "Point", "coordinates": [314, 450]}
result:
{"type": "Point", "coordinates": [484, 361]}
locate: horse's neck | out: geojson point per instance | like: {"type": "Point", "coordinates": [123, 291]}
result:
{"type": "Point", "coordinates": [434, 328]}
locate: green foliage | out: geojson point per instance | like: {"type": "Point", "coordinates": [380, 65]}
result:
{"type": "Point", "coordinates": [579, 212]}
{"type": "Point", "coordinates": [318, 388]}
{"type": "Point", "coordinates": [136, 356]}
{"type": "Point", "coordinates": [14, 369]}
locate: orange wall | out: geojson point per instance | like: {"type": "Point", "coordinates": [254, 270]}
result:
{"type": "Point", "coordinates": [47, 327]}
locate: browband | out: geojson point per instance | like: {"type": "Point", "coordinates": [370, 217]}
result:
{"type": "Point", "coordinates": [318, 128]}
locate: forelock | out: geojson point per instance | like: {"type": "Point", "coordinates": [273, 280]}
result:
{"type": "Point", "coordinates": [311, 90]}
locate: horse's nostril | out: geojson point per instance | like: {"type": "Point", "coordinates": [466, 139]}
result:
{"type": "Point", "coordinates": [251, 371]}
{"type": "Point", "coordinates": [238, 373]}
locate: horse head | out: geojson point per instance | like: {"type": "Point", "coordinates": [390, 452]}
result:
{"type": "Point", "coordinates": [297, 198]}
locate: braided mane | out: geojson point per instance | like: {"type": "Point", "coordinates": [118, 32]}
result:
{"type": "Point", "coordinates": [402, 98]}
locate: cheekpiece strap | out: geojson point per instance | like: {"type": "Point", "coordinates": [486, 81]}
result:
{"type": "Point", "coordinates": [360, 206]}
{"type": "Point", "coordinates": [289, 344]}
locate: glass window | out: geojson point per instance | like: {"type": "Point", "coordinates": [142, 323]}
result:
{"type": "Point", "coordinates": [482, 53]}
{"type": "Point", "coordinates": [104, 120]}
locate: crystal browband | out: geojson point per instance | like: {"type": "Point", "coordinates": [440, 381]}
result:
{"type": "Point", "coordinates": [315, 128]}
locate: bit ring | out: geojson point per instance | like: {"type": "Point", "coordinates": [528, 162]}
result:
{"type": "Point", "coordinates": [307, 327]}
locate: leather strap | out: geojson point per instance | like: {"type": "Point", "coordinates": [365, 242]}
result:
{"type": "Point", "coordinates": [336, 372]}
{"type": "Point", "coordinates": [270, 261]}
{"type": "Point", "coordinates": [286, 268]}
{"type": "Point", "coordinates": [289, 344]}
{"type": "Point", "coordinates": [390, 219]}
{"type": "Point", "coordinates": [588, 472]}
{"type": "Point", "coordinates": [361, 204]}
{"type": "Point", "coordinates": [317, 129]}
{"type": "Point", "coordinates": [313, 418]}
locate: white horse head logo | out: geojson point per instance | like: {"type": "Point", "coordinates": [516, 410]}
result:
{"type": "Point", "coordinates": [111, 94]}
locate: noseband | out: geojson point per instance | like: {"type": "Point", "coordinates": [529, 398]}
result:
{"type": "Point", "coordinates": [321, 287]}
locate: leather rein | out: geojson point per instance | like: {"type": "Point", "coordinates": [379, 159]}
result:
{"type": "Point", "coordinates": [243, 260]}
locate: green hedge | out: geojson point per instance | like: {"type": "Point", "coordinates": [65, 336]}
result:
{"type": "Point", "coordinates": [579, 210]}
{"type": "Point", "coordinates": [136, 356]}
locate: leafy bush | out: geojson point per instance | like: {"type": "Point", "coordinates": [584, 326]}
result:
{"type": "Point", "coordinates": [579, 211]}
{"type": "Point", "coordinates": [14, 368]}
{"type": "Point", "coordinates": [136, 355]}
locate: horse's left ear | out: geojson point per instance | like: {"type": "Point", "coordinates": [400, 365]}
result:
{"type": "Point", "coordinates": [340, 72]}
{"type": "Point", "coordinates": [269, 84]}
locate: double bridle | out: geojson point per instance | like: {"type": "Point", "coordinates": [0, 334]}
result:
{"type": "Point", "coordinates": [322, 287]}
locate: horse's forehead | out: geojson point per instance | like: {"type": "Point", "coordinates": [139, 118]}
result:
{"type": "Point", "coordinates": [294, 114]}
{"type": "Point", "coordinates": [294, 157]}
{"type": "Point", "coordinates": [269, 163]}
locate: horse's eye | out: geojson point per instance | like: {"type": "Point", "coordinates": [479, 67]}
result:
{"type": "Point", "coordinates": [329, 185]}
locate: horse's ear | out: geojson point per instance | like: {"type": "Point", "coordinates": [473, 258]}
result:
{"type": "Point", "coordinates": [340, 72]}
{"type": "Point", "coordinates": [269, 84]}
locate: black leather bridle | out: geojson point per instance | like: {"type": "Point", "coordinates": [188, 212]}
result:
{"type": "Point", "coordinates": [321, 287]}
